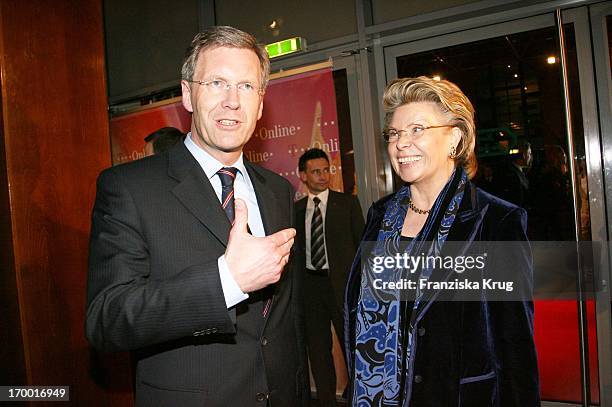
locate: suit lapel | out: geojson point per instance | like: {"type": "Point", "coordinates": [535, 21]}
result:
{"type": "Point", "coordinates": [196, 193]}
{"type": "Point", "coordinates": [266, 200]}
{"type": "Point", "coordinates": [300, 211]}
{"type": "Point", "coordinates": [330, 215]}
{"type": "Point", "coordinates": [461, 235]}
{"type": "Point", "coordinates": [300, 224]}
{"type": "Point", "coordinates": [271, 218]}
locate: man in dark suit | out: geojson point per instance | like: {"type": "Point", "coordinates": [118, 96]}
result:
{"type": "Point", "coordinates": [161, 140]}
{"type": "Point", "coordinates": [211, 310]}
{"type": "Point", "coordinates": [329, 226]}
{"type": "Point", "coordinates": [510, 178]}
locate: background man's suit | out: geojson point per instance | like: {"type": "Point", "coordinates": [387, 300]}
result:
{"type": "Point", "coordinates": [157, 231]}
{"type": "Point", "coordinates": [324, 295]}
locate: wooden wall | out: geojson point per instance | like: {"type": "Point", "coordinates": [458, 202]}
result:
{"type": "Point", "coordinates": [53, 143]}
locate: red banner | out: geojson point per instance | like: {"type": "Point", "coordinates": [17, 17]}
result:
{"type": "Point", "coordinates": [128, 131]}
{"type": "Point", "coordinates": [299, 113]}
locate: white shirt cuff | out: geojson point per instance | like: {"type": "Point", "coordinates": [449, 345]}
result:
{"type": "Point", "coordinates": [232, 293]}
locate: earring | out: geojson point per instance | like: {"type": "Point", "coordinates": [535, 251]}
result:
{"type": "Point", "coordinates": [453, 152]}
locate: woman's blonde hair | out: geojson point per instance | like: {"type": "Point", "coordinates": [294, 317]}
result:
{"type": "Point", "coordinates": [449, 99]}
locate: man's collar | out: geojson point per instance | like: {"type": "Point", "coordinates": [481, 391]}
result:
{"type": "Point", "coordinates": [210, 164]}
{"type": "Point", "coordinates": [323, 196]}
{"type": "Point", "coordinates": [520, 167]}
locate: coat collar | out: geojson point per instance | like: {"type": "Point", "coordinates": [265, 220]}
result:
{"type": "Point", "coordinates": [463, 232]}
{"type": "Point", "coordinates": [332, 204]}
{"type": "Point", "coordinates": [470, 215]}
{"type": "Point", "coordinates": [469, 210]}
{"type": "Point", "coordinates": [267, 198]}
{"type": "Point", "coordinates": [196, 193]}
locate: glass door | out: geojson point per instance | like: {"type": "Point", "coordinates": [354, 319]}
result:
{"type": "Point", "coordinates": [512, 73]}
{"type": "Point", "coordinates": [601, 35]}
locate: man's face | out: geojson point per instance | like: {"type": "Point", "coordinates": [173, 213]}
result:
{"type": "Point", "coordinates": [316, 175]}
{"type": "Point", "coordinates": [528, 157]}
{"type": "Point", "coordinates": [222, 123]}
{"type": "Point", "coordinates": [148, 149]}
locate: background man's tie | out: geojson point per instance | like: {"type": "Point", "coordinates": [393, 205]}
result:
{"type": "Point", "coordinates": [317, 241]}
{"type": "Point", "coordinates": [227, 175]}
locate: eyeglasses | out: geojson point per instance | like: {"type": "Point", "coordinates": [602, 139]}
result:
{"type": "Point", "coordinates": [414, 131]}
{"type": "Point", "coordinates": [219, 86]}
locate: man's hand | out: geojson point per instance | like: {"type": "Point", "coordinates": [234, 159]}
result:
{"type": "Point", "coordinates": [256, 262]}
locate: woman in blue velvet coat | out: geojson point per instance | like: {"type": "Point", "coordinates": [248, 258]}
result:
{"type": "Point", "coordinates": [432, 343]}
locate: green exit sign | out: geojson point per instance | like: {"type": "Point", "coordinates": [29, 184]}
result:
{"type": "Point", "coordinates": [285, 47]}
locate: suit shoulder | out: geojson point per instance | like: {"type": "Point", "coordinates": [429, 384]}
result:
{"type": "Point", "coordinates": [342, 197]}
{"type": "Point", "coordinates": [505, 220]}
{"type": "Point", "coordinates": [382, 202]}
{"type": "Point", "coordinates": [138, 166]}
{"type": "Point", "coordinates": [495, 203]}
{"type": "Point", "coordinates": [378, 208]}
{"type": "Point", "coordinates": [339, 195]}
{"type": "Point", "coordinates": [270, 175]}
{"type": "Point", "coordinates": [500, 211]}
{"type": "Point", "coordinates": [148, 168]}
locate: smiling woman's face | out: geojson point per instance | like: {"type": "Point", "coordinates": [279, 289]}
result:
{"type": "Point", "coordinates": [424, 156]}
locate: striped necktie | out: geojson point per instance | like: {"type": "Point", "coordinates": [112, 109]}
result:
{"type": "Point", "coordinates": [317, 240]}
{"type": "Point", "coordinates": [227, 175]}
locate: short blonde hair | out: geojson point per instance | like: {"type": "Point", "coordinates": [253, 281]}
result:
{"type": "Point", "coordinates": [450, 99]}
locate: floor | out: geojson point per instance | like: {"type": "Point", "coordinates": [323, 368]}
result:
{"type": "Point", "coordinates": [339, 402]}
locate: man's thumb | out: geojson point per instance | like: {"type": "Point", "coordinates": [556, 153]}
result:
{"type": "Point", "coordinates": [241, 216]}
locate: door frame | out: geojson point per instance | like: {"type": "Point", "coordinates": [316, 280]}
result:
{"type": "Point", "coordinates": [603, 80]}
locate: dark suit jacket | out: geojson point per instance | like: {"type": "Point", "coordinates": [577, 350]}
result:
{"type": "Point", "coordinates": [476, 353]}
{"type": "Point", "coordinates": [510, 183]}
{"type": "Point", "coordinates": [343, 228]}
{"type": "Point", "coordinates": [154, 288]}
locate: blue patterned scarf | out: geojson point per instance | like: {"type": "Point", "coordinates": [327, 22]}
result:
{"type": "Point", "coordinates": [379, 354]}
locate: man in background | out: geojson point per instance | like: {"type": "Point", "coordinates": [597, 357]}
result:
{"type": "Point", "coordinates": [510, 176]}
{"type": "Point", "coordinates": [161, 140]}
{"type": "Point", "coordinates": [329, 225]}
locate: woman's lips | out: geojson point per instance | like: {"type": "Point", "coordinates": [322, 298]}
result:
{"type": "Point", "coordinates": [409, 159]}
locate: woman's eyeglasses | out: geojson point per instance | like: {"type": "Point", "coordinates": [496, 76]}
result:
{"type": "Point", "coordinates": [414, 131]}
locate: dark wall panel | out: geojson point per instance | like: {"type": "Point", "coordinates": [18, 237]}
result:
{"type": "Point", "coordinates": [384, 11]}
{"type": "Point", "coordinates": [146, 42]}
{"type": "Point", "coordinates": [315, 20]}
{"type": "Point", "coordinates": [55, 134]}
{"type": "Point", "coordinates": [12, 366]}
